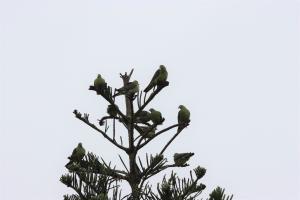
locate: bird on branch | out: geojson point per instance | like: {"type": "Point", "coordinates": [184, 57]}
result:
{"type": "Point", "coordinates": [112, 110]}
{"type": "Point", "coordinates": [156, 116]}
{"type": "Point", "coordinates": [159, 77]}
{"type": "Point", "coordinates": [180, 159]}
{"type": "Point", "coordinates": [77, 155]}
{"type": "Point", "coordinates": [183, 117]}
{"type": "Point", "coordinates": [129, 89]}
{"type": "Point", "coordinates": [99, 83]}
{"type": "Point", "coordinates": [147, 131]}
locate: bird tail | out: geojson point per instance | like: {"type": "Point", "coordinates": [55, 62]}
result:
{"type": "Point", "coordinates": [148, 88]}
{"type": "Point", "coordinates": [180, 127]}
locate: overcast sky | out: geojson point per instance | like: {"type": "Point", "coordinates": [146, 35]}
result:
{"type": "Point", "coordinates": [234, 64]}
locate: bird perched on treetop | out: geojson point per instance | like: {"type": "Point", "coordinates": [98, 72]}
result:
{"type": "Point", "coordinates": [155, 116]}
{"type": "Point", "coordinates": [77, 154]}
{"type": "Point", "coordinates": [99, 82]}
{"type": "Point", "coordinates": [181, 158]}
{"type": "Point", "coordinates": [159, 77]}
{"type": "Point", "coordinates": [183, 117]}
{"type": "Point", "coordinates": [129, 89]}
{"type": "Point", "coordinates": [112, 110]}
{"type": "Point", "coordinates": [142, 117]}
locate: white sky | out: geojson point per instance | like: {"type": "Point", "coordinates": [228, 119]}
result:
{"type": "Point", "coordinates": [234, 64]}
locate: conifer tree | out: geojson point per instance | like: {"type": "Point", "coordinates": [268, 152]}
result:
{"type": "Point", "coordinates": [93, 178]}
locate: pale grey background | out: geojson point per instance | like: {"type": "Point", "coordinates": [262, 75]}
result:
{"type": "Point", "coordinates": [235, 64]}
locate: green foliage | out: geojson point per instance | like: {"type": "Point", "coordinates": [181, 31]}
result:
{"type": "Point", "coordinates": [219, 194]}
{"type": "Point", "coordinates": [175, 188]}
{"type": "Point", "coordinates": [94, 179]}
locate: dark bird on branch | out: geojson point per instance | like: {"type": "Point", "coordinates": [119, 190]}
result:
{"type": "Point", "coordinates": [129, 89]}
{"type": "Point", "coordinates": [159, 77]}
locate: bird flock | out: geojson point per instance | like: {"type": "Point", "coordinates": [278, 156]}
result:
{"type": "Point", "coordinates": [141, 118]}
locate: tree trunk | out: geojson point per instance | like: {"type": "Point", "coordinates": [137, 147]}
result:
{"type": "Point", "coordinates": [134, 178]}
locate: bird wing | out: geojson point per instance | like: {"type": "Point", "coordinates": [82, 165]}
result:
{"type": "Point", "coordinates": [126, 87]}
{"type": "Point", "coordinates": [155, 76]}
{"type": "Point", "coordinates": [152, 82]}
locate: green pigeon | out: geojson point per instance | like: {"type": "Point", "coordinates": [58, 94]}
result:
{"type": "Point", "coordinates": [181, 158]}
{"type": "Point", "coordinates": [129, 89]}
{"type": "Point", "coordinates": [147, 132]}
{"type": "Point", "coordinates": [143, 117]}
{"type": "Point", "coordinates": [112, 110]}
{"type": "Point", "coordinates": [78, 153]}
{"type": "Point", "coordinates": [160, 76]}
{"type": "Point", "coordinates": [99, 82]}
{"type": "Point", "coordinates": [183, 117]}
{"type": "Point", "coordinates": [155, 116]}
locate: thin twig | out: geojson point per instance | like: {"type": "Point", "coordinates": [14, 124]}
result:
{"type": "Point", "coordinates": [121, 140]}
{"type": "Point", "coordinates": [123, 163]}
{"type": "Point", "coordinates": [129, 76]}
{"type": "Point", "coordinates": [114, 129]}
{"type": "Point", "coordinates": [100, 131]}
{"type": "Point", "coordinates": [170, 141]}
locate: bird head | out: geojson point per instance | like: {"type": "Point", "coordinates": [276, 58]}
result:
{"type": "Point", "coordinates": [135, 82]}
{"type": "Point", "coordinates": [98, 76]}
{"type": "Point", "coordinates": [80, 144]}
{"type": "Point", "coordinates": [162, 67]}
{"type": "Point", "coordinates": [151, 110]}
{"type": "Point", "coordinates": [180, 106]}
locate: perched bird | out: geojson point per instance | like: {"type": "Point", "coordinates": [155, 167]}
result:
{"type": "Point", "coordinates": [99, 82]}
{"type": "Point", "coordinates": [143, 117]}
{"type": "Point", "coordinates": [77, 155]}
{"type": "Point", "coordinates": [181, 158]}
{"type": "Point", "coordinates": [129, 89]}
{"type": "Point", "coordinates": [147, 131]}
{"type": "Point", "coordinates": [155, 116]}
{"type": "Point", "coordinates": [112, 110]}
{"type": "Point", "coordinates": [183, 117]}
{"type": "Point", "coordinates": [160, 76]}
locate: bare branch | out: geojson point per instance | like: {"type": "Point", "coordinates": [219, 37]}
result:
{"type": "Point", "coordinates": [129, 76]}
{"type": "Point", "coordinates": [114, 129]}
{"type": "Point", "coordinates": [139, 145]}
{"type": "Point", "coordinates": [78, 115]}
{"type": "Point", "coordinates": [170, 141]}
